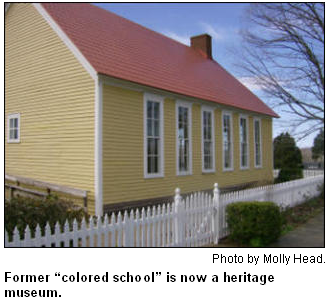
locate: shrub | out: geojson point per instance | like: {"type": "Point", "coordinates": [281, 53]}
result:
{"type": "Point", "coordinates": [254, 223]}
{"type": "Point", "coordinates": [22, 211]}
{"type": "Point", "coordinates": [288, 174]}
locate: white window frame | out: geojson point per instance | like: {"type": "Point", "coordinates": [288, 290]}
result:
{"type": "Point", "coordinates": [187, 105]}
{"type": "Point", "coordinates": [160, 100]}
{"type": "Point", "coordinates": [247, 141]}
{"type": "Point", "coordinates": [260, 143]}
{"type": "Point", "coordinates": [231, 168]}
{"type": "Point", "coordinates": [211, 110]}
{"type": "Point", "coordinates": [13, 116]}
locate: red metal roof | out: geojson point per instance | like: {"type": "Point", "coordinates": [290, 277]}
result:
{"type": "Point", "coordinates": [117, 47]}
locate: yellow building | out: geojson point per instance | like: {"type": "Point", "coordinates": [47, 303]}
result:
{"type": "Point", "coordinates": [99, 103]}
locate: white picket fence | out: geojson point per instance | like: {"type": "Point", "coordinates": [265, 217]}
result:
{"type": "Point", "coordinates": [197, 220]}
{"type": "Point", "coordinates": [306, 173]}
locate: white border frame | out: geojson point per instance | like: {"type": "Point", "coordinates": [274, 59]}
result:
{"type": "Point", "coordinates": [248, 152]}
{"type": "Point", "coordinates": [260, 143]}
{"type": "Point", "coordinates": [180, 103]}
{"type": "Point", "coordinates": [160, 99]}
{"type": "Point", "coordinates": [9, 117]}
{"type": "Point", "coordinates": [229, 113]}
{"type": "Point", "coordinates": [211, 110]}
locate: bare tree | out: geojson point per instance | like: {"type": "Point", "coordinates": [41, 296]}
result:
{"type": "Point", "coordinates": [283, 53]}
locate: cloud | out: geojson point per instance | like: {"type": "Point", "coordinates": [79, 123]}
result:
{"type": "Point", "coordinates": [185, 39]}
{"type": "Point", "coordinates": [216, 33]}
{"type": "Point", "coordinates": [250, 83]}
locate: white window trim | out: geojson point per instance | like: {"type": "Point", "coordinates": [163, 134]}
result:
{"type": "Point", "coordinates": [260, 143]}
{"type": "Point", "coordinates": [180, 103]}
{"type": "Point", "coordinates": [12, 116]}
{"type": "Point", "coordinates": [231, 138]}
{"type": "Point", "coordinates": [248, 152]}
{"type": "Point", "coordinates": [211, 110]}
{"type": "Point", "coordinates": [160, 99]}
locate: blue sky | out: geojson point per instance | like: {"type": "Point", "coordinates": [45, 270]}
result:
{"type": "Point", "coordinates": [180, 21]}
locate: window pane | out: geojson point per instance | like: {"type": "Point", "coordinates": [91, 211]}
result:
{"type": "Point", "coordinates": [257, 143]}
{"type": "Point", "coordinates": [156, 127]}
{"type": "Point", "coordinates": [156, 164]}
{"type": "Point", "coordinates": [183, 138]}
{"type": "Point", "coordinates": [156, 110]}
{"type": "Point", "coordinates": [152, 164]}
{"type": "Point", "coordinates": [186, 147]}
{"type": "Point", "coordinates": [186, 163]}
{"type": "Point", "coordinates": [227, 158]}
{"type": "Point", "coordinates": [149, 127]}
{"type": "Point", "coordinates": [207, 148]}
{"type": "Point", "coordinates": [186, 131]}
{"type": "Point", "coordinates": [181, 134]}
{"type": "Point", "coordinates": [180, 115]}
{"type": "Point", "coordinates": [208, 162]}
{"type": "Point", "coordinates": [11, 123]}
{"type": "Point", "coordinates": [180, 127]}
{"type": "Point", "coordinates": [11, 134]}
{"type": "Point", "coordinates": [182, 164]}
{"type": "Point", "coordinates": [149, 165]}
{"type": "Point", "coordinates": [243, 133]}
{"type": "Point", "coordinates": [257, 155]}
{"type": "Point", "coordinates": [244, 154]}
{"type": "Point", "coordinates": [209, 127]}
{"type": "Point", "coordinates": [152, 147]}
{"type": "Point", "coordinates": [207, 140]}
{"type": "Point", "coordinates": [149, 109]}
{"type": "Point", "coordinates": [256, 131]}
{"type": "Point", "coordinates": [243, 142]}
{"type": "Point", "coordinates": [227, 141]}
{"type": "Point", "coordinates": [149, 146]}
{"type": "Point", "coordinates": [156, 146]}
{"type": "Point", "coordinates": [15, 122]}
{"type": "Point", "coordinates": [225, 137]}
{"type": "Point", "coordinates": [185, 110]}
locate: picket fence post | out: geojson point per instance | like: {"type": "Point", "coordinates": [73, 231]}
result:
{"type": "Point", "coordinates": [179, 218]}
{"type": "Point", "coordinates": [215, 215]}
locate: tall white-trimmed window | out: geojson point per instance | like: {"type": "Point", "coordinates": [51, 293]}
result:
{"type": "Point", "coordinates": [258, 142]}
{"type": "Point", "coordinates": [244, 155]}
{"type": "Point", "coordinates": [153, 136]}
{"type": "Point", "coordinates": [208, 151]}
{"type": "Point", "coordinates": [14, 128]}
{"type": "Point", "coordinates": [184, 144]}
{"type": "Point", "coordinates": [227, 141]}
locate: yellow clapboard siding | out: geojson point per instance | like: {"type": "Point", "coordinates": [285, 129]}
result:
{"type": "Point", "coordinates": [54, 95]}
{"type": "Point", "coordinates": [123, 151]}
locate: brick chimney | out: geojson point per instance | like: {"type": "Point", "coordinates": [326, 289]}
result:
{"type": "Point", "coordinates": [202, 43]}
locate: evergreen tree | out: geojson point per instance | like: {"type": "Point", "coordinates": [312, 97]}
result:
{"type": "Point", "coordinates": [318, 146]}
{"type": "Point", "coordinates": [287, 158]}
